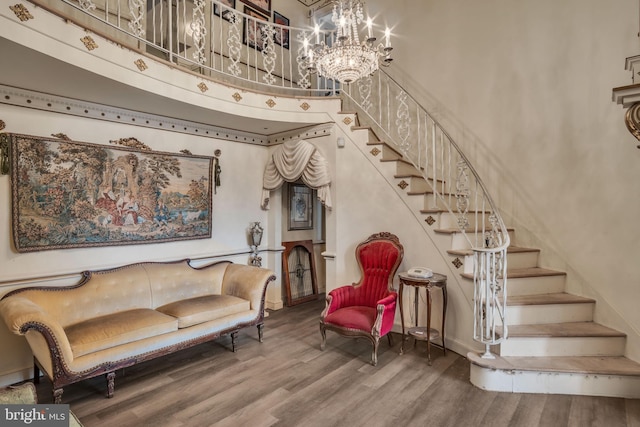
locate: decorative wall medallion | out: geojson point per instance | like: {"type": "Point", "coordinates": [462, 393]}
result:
{"type": "Point", "coordinates": [376, 151]}
{"type": "Point", "coordinates": [89, 42]}
{"type": "Point", "coordinates": [403, 184]}
{"type": "Point", "coordinates": [61, 136]}
{"type": "Point", "coordinates": [237, 97]}
{"type": "Point", "coordinates": [347, 121]}
{"type": "Point", "coordinates": [430, 220]}
{"type": "Point", "coordinates": [271, 103]}
{"type": "Point", "coordinates": [141, 64]}
{"type": "Point", "coordinates": [203, 87]}
{"type": "Point", "coordinates": [457, 262]}
{"type": "Point", "coordinates": [21, 12]}
{"type": "Point", "coordinates": [632, 120]}
{"type": "Point", "coordinates": [305, 106]}
{"type": "Point", "coordinates": [2, 124]}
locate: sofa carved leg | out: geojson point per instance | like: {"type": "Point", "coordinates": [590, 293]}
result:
{"type": "Point", "coordinates": [374, 353]}
{"type": "Point", "coordinates": [260, 332]}
{"type": "Point", "coordinates": [233, 341]}
{"type": "Point", "coordinates": [111, 376]}
{"type": "Point", "coordinates": [57, 395]}
{"type": "Point", "coordinates": [36, 372]}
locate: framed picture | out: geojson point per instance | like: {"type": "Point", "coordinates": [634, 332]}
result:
{"type": "Point", "coordinates": [263, 6]}
{"type": "Point", "coordinates": [68, 194]}
{"type": "Point", "coordinates": [253, 30]}
{"type": "Point", "coordinates": [300, 207]}
{"type": "Point", "coordinates": [226, 13]}
{"type": "Point", "coordinates": [281, 35]}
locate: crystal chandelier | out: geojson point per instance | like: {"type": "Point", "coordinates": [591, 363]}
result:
{"type": "Point", "coordinates": [345, 58]}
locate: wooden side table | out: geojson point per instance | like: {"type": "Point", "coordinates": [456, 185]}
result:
{"type": "Point", "coordinates": [420, 332]}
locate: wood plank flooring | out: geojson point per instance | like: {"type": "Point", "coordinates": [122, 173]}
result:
{"type": "Point", "coordinates": [289, 381]}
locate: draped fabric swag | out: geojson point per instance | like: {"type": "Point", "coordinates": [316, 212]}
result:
{"type": "Point", "coordinates": [294, 160]}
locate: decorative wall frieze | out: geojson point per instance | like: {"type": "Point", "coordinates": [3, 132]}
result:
{"type": "Point", "coordinates": [141, 64]}
{"type": "Point", "coordinates": [308, 133]}
{"type": "Point", "coordinates": [56, 104]}
{"type": "Point", "coordinates": [21, 12]}
{"type": "Point", "coordinates": [89, 43]}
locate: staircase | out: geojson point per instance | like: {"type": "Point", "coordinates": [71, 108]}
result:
{"type": "Point", "coordinates": [553, 344]}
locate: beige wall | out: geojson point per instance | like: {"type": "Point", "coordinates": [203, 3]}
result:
{"type": "Point", "coordinates": [235, 206]}
{"type": "Point", "coordinates": [525, 88]}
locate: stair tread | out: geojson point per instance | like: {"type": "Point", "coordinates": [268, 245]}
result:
{"type": "Point", "coordinates": [566, 329]}
{"type": "Point", "coordinates": [510, 249]}
{"type": "Point", "coordinates": [545, 299]}
{"type": "Point", "coordinates": [601, 365]}
{"type": "Point", "coordinates": [523, 273]}
{"type": "Point", "coordinates": [457, 230]}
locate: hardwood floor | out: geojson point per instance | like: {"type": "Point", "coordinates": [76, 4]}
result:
{"type": "Point", "coordinates": [289, 381]}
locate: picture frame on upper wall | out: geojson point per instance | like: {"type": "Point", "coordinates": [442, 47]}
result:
{"type": "Point", "coordinates": [300, 207]}
{"type": "Point", "coordinates": [281, 36]}
{"type": "Point", "coordinates": [227, 14]}
{"type": "Point", "coordinates": [253, 30]}
{"type": "Point", "coordinates": [263, 6]}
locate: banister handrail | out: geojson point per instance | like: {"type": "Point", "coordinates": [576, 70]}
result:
{"type": "Point", "coordinates": [431, 150]}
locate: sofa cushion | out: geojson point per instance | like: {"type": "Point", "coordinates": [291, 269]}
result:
{"type": "Point", "coordinates": [23, 394]}
{"type": "Point", "coordinates": [118, 328]}
{"type": "Point", "coordinates": [197, 310]}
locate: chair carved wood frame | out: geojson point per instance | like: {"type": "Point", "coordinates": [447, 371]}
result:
{"type": "Point", "coordinates": [366, 308]}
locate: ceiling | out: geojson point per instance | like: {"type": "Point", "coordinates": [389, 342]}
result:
{"type": "Point", "coordinates": [28, 69]}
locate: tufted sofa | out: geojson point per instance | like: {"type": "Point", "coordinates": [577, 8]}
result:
{"type": "Point", "coordinates": [119, 317]}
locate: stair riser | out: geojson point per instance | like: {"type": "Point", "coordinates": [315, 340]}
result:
{"type": "Point", "coordinates": [562, 346]}
{"type": "Point", "coordinates": [459, 241]}
{"type": "Point", "coordinates": [403, 168]}
{"type": "Point", "coordinates": [535, 285]}
{"type": "Point", "coordinates": [549, 313]}
{"type": "Point", "coordinates": [450, 220]}
{"type": "Point", "coordinates": [514, 260]}
{"type": "Point", "coordinates": [517, 381]}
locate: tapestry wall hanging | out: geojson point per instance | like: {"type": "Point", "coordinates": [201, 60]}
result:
{"type": "Point", "coordinates": [69, 194]}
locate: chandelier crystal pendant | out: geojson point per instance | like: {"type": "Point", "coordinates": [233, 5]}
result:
{"type": "Point", "coordinates": [345, 58]}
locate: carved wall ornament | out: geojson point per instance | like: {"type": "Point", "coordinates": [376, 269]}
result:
{"type": "Point", "coordinates": [347, 121]}
{"type": "Point", "coordinates": [131, 142]}
{"type": "Point", "coordinates": [305, 106]}
{"type": "Point", "coordinates": [141, 64]}
{"type": "Point", "coordinates": [21, 12]}
{"type": "Point", "coordinates": [375, 151]}
{"type": "Point", "coordinates": [632, 120]}
{"type": "Point", "coordinates": [89, 43]}
{"type": "Point", "coordinates": [403, 184]}
{"type": "Point", "coordinates": [61, 136]}
{"type": "Point", "coordinates": [430, 220]}
{"type": "Point", "coordinates": [457, 262]}
{"type": "Point", "coordinates": [237, 97]}
{"type": "Point", "coordinates": [203, 87]}
{"type": "Point", "coordinates": [271, 103]}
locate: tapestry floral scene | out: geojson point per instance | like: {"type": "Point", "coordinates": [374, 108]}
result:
{"type": "Point", "coordinates": [70, 194]}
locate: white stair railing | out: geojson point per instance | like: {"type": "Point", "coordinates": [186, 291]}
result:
{"type": "Point", "coordinates": [401, 121]}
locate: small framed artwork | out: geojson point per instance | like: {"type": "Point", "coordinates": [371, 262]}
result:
{"type": "Point", "coordinates": [226, 13]}
{"type": "Point", "coordinates": [253, 31]}
{"type": "Point", "coordinates": [281, 35]}
{"type": "Point", "coordinates": [300, 207]}
{"type": "Point", "coordinates": [263, 6]}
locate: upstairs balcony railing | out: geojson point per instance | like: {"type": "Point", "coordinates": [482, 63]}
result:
{"type": "Point", "coordinates": [212, 39]}
{"type": "Point", "coordinates": [455, 186]}
{"type": "Point", "coordinates": [206, 37]}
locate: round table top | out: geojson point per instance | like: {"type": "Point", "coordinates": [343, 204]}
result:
{"type": "Point", "coordinates": [436, 279]}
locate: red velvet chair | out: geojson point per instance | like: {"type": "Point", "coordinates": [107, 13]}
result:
{"type": "Point", "coordinates": [366, 308]}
